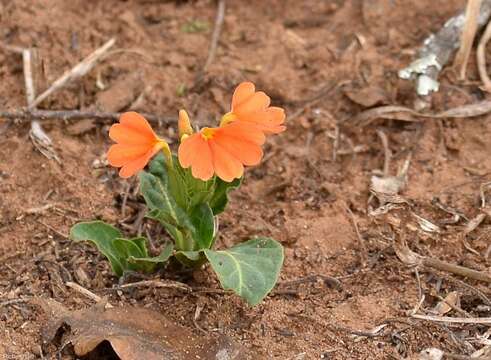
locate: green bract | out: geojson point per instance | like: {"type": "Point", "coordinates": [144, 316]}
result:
{"type": "Point", "coordinates": [188, 209]}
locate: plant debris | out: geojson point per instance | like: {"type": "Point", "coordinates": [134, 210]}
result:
{"type": "Point", "coordinates": [134, 333]}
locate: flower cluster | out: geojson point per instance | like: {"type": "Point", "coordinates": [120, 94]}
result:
{"type": "Point", "coordinates": [222, 151]}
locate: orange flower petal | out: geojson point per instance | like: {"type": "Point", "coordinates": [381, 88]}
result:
{"type": "Point", "coordinates": [127, 135]}
{"type": "Point", "coordinates": [138, 123]}
{"type": "Point", "coordinates": [243, 130]}
{"type": "Point", "coordinates": [248, 153]}
{"type": "Point", "coordinates": [194, 152]}
{"type": "Point", "coordinates": [134, 166]}
{"type": "Point", "coordinates": [270, 121]}
{"type": "Point", "coordinates": [226, 166]}
{"type": "Point", "coordinates": [242, 93]}
{"type": "Point", "coordinates": [257, 102]}
{"type": "Point", "coordinates": [120, 154]}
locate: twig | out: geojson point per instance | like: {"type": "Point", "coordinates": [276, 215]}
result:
{"type": "Point", "coordinates": [467, 36]}
{"type": "Point", "coordinates": [80, 289]}
{"type": "Point", "coordinates": [39, 209]}
{"type": "Point", "coordinates": [154, 283]}
{"type": "Point", "coordinates": [387, 152]}
{"type": "Point", "coordinates": [478, 292]}
{"type": "Point", "coordinates": [481, 58]}
{"type": "Point", "coordinates": [74, 115]}
{"type": "Point", "coordinates": [411, 258]}
{"type": "Point", "coordinates": [437, 49]}
{"type": "Point", "coordinates": [14, 301]}
{"type": "Point", "coordinates": [76, 72]}
{"type": "Point", "coordinates": [28, 79]}
{"type": "Point", "coordinates": [448, 319]}
{"type": "Point", "coordinates": [216, 35]}
{"type": "Point", "coordinates": [364, 252]}
{"type": "Point", "coordinates": [456, 269]}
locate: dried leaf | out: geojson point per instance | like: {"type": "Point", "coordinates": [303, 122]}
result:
{"type": "Point", "coordinates": [474, 223]}
{"type": "Point", "coordinates": [426, 225]}
{"type": "Point", "coordinates": [42, 141]}
{"type": "Point", "coordinates": [405, 254]}
{"type": "Point", "coordinates": [443, 307]}
{"type": "Point", "coordinates": [368, 96]}
{"type": "Point", "coordinates": [393, 112]}
{"type": "Point", "coordinates": [134, 333]}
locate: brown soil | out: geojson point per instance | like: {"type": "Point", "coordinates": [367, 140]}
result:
{"type": "Point", "coordinates": [293, 50]}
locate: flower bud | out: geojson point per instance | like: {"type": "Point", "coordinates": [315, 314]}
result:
{"type": "Point", "coordinates": [184, 125]}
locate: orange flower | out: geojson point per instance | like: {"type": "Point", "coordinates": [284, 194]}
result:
{"type": "Point", "coordinates": [136, 144]}
{"type": "Point", "coordinates": [223, 150]}
{"type": "Point", "coordinates": [253, 107]}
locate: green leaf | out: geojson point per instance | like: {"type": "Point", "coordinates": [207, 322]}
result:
{"type": "Point", "coordinates": [102, 235]}
{"type": "Point", "coordinates": [148, 264]}
{"type": "Point", "coordinates": [128, 248]}
{"type": "Point", "coordinates": [203, 221]}
{"type": "Point", "coordinates": [192, 259]}
{"type": "Point", "coordinates": [156, 195]}
{"type": "Point", "coordinates": [250, 269]}
{"type": "Point", "coordinates": [220, 197]}
{"type": "Point", "coordinates": [191, 255]}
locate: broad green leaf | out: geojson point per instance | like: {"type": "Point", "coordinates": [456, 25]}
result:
{"type": "Point", "coordinates": [191, 255]}
{"type": "Point", "coordinates": [250, 269]}
{"type": "Point", "coordinates": [156, 195]}
{"type": "Point", "coordinates": [203, 221]}
{"type": "Point", "coordinates": [141, 242]}
{"type": "Point", "coordinates": [220, 197]}
{"type": "Point", "coordinates": [102, 235]}
{"type": "Point", "coordinates": [127, 248]}
{"type": "Point", "coordinates": [148, 264]}
{"type": "Point", "coordinates": [192, 259]}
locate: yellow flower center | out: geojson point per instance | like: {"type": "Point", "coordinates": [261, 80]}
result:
{"type": "Point", "coordinates": [228, 118]}
{"type": "Point", "coordinates": [207, 133]}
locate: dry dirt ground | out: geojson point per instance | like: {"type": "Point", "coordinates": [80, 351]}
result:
{"type": "Point", "coordinates": [296, 51]}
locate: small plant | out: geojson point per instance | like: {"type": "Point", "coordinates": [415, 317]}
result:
{"type": "Point", "coordinates": [187, 192]}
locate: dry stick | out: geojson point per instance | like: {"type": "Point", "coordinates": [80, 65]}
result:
{"type": "Point", "coordinates": [41, 141]}
{"type": "Point", "coordinates": [76, 72]}
{"type": "Point", "coordinates": [437, 50]}
{"type": "Point", "coordinates": [86, 292]}
{"type": "Point", "coordinates": [455, 269]}
{"type": "Point", "coordinates": [448, 319]}
{"type": "Point", "coordinates": [387, 152]}
{"type": "Point", "coordinates": [216, 35]}
{"type": "Point", "coordinates": [28, 78]}
{"type": "Point", "coordinates": [467, 37]}
{"type": "Point", "coordinates": [364, 252]}
{"type": "Point", "coordinates": [155, 284]}
{"type": "Point", "coordinates": [74, 115]}
{"type": "Point", "coordinates": [481, 58]}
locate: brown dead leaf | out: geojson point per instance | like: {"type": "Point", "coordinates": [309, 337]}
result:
{"type": "Point", "coordinates": [134, 333]}
{"type": "Point", "coordinates": [368, 96]}
{"type": "Point", "coordinates": [394, 112]}
{"type": "Point", "coordinates": [443, 307]}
